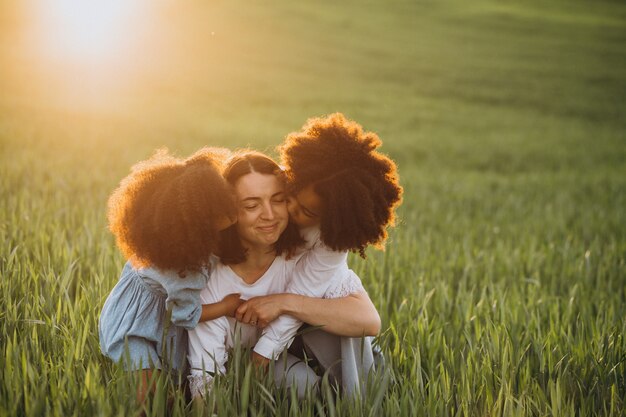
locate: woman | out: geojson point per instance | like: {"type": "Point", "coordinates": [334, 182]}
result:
{"type": "Point", "coordinates": [257, 259]}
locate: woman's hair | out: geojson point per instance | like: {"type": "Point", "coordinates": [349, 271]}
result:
{"type": "Point", "coordinates": [242, 163]}
{"type": "Point", "coordinates": [358, 186]}
{"type": "Point", "coordinates": [164, 213]}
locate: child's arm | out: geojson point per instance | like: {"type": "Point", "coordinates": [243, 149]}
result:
{"type": "Point", "coordinates": [226, 307]}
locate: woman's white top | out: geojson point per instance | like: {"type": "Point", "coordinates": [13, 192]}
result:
{"type": "Point", "coordinates": [209, 341]}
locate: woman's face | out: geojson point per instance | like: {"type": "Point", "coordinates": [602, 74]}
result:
{"type": "Point", "coordinates": [305, 207]}
{"type": "Point", "coordinates": [262, 209]}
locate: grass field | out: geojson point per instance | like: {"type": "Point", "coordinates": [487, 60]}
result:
{"type": "Point", "coordinates": [502, 290]}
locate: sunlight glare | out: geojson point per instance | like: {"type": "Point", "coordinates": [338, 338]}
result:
{"type": "Point", "coordinates": [87, 29]}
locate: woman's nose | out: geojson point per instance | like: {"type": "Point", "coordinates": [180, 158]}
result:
{"type": "Point", "coordinates": [268, 211]}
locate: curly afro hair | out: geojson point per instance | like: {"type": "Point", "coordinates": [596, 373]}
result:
{"type": "Point", "coordinates": [242, 163]}
{"type": "Point", "coordinates": [357, 185]}
{"type": "Point", "coordinates": [165, 213]}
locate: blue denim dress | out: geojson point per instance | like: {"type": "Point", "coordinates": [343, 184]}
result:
{"type": "Point", "coordinates": [143, 321]}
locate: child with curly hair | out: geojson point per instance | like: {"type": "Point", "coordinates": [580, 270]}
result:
{"type": "Point", "coordinates": [166, 217]}
{"type": "Point", "coordinates": [343, 197]}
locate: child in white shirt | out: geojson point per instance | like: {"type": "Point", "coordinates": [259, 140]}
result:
{"type": "Point", "coordinates": [344, 195]}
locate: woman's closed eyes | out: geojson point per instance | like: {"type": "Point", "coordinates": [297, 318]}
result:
{"type": "Point", "coordinates": [250, 204]}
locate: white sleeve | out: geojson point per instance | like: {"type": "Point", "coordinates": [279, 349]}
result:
{"type": "Point", "coordinates": [277, 336]}
{"type": "Point", "coordinates": [207, 346]}
{"type": "Point", "coordinates": [207, 341]}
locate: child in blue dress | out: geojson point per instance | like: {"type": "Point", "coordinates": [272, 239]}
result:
{"type": "Point", "coordinates": [166, 217]}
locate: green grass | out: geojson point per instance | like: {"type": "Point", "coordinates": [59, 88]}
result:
{"type": "Point", "coordinates": [502, 290]}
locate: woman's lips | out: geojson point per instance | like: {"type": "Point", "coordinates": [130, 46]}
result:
{"type": "Point", "coordinates": [268, 229]}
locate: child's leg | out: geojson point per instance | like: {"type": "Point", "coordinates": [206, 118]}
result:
{"type": "Point", "coordinates": [346, 360]}
{"type": "Point", "coordinates": [140, 356]}
{"type": "Point", "coordinates": [146, 384]}
{"type": "Point", "coordinates": [325, 348]}
{"type": "Point", "coordinates": [294, 373]}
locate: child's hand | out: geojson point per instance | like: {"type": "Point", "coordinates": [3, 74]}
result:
{"type": "Point", "coordinates": [230, 303]}
{"type": "Point", "coordinates": [226, 307]}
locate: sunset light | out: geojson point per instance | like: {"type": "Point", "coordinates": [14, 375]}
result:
{"type": "Point", "coordinates": [82, 54]}
{"type": "Point", "coordinates": [81, 30]}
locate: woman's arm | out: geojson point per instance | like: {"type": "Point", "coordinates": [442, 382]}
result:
{"type": "Point", "coordinates": [351, 316]}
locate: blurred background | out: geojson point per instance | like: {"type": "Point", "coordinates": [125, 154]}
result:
{"type": "Point", "coordinates": [468, 97]}
{"type": "Point", "coordinates": [436, 80]}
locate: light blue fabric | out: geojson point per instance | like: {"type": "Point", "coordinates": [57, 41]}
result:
{"type": "Point", "coordinates": [134, 322]}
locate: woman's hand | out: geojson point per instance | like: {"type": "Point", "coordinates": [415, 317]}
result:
{"type": "Point", "coordinates": [261, 311]}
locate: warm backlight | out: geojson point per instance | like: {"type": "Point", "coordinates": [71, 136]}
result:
{"type": "Point", "coordinates": [86, 30]}
{"type": "Point", "coordinates": [84, 53]}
